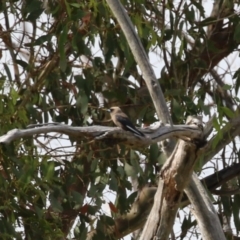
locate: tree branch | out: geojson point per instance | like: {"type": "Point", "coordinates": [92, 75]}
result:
{"type": "Point", "coordinates": [142, 59]}
{"type": "Point", "coordinates": [141, 208]}
{"type": "Point", "coordinates": [170, 189]}
{"type": "Point", "coordinates": [101, 132]}
{"type": "Point", "coordinates": [204, 211]}
{"type": "Point", "coordinates": [221, 139]}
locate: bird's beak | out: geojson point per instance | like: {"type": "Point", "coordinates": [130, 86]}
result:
{"type": "Point", "coordinates": [106, 109]}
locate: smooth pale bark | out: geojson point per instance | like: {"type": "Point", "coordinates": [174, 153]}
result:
{"type": "Point", "coordinates": [203, 210]}
{"type": "Point", "coordinates": [170, 190]}
{"type": "Point", "coordinates": [101, 133]}
{"type": "Point", "coordinates": [136, 217]}
{"type": "Point", "coordinates": [134, 43]}
{"type": "Point", "coordinates": [142, 59]}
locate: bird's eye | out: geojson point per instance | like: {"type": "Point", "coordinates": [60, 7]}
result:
{"type": "Point", "coordinates": [111, 109]}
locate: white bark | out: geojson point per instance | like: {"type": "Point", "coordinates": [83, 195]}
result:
{"type": "Point", "coordinates": [101, 132]}
{"type": "Point", "coordinates": [142, 60]}
{"type": "Point", "coordinates": [203, 210]}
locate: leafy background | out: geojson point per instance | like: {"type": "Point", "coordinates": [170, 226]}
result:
{"type": "Point", "coordinates": [62, 61]}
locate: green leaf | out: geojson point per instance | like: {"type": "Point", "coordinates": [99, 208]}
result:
{"type": "Point", "coordinates": [237, 77]}
{"type": "Point", "coordinates": [134, 160]}
{"type": "Point", "coordinates": [153, 153]}
{"type": "Point", "coordinates": [39, 211]}
{"type": "Point", "coordinates": [68, 8]}
{"type": "Point", "coordinates": [14, 95]}
{"type": "Point", "coordinates": [22, 63]}
{"type": "Point", "coordinates": [85, 84]}
{"type": "Point", "coordinates": [82, 102]}
{"type": "Point", "coordinates": [236, 35]}
{"type": "Point", "coordinates": [228, 112]}
{"type": "Point", "coordinates": [76, 5]}
{"type": "Point", "coordinates": [113, 183]}
{"type": "Point", "coordinates": [49, 171]}
{"type": "Point", "coordinates": [83, 232]}
{"type": "Point", "coordinates": [1, 106]}
{"type": "Point", "coordinates": [42, 39]}
{"type": "Point", "coordinates": [121, 171]}
{"type": "Point", "coordinates": [129, 170]}
{"type": "Point", "coordinates": [132, 197]}
{"type": "Point", "coordinates": [110, 46]}
{"type": "Point", "coordinates": [33, 10]}
{"type": "Point", "coordinates": [236, 211]}
{"type": "Point", "coordinates": [62, 42]}
{"type": "Point", "coordinates": [227, 87]}
{"type": "Point", "coordinates": [107, 220]}
{"type": "Point", "coordinates": [77, 198]}
{"type": "Point", "coordinates": [206, 22]}
{"type": "Point", "coordinates": [226, 205]}
{"type": "Point", "coordinates": [8, 72]}
{"type": "Point", "coordinates": [94, 164]}
{"type": "Point", "coordinates": [55, 204]}
{"type": "Point", "coordinates": [218, 136]}
{"type": "Point", "coordinates": [200, 7]}
{"type": "Point", "coordinates": [168, 34]}
{"type": "Point", "coordinates": [92, 191]}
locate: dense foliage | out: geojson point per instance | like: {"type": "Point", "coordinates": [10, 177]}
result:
{"type": "Point", "coordinates": [61, 61]}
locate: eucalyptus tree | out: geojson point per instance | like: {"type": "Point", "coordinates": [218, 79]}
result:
{"type": "Point", "coordinates": [65, 62]}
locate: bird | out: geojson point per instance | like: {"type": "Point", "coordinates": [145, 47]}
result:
{"type": "Point", "coordinates": [121, 120]}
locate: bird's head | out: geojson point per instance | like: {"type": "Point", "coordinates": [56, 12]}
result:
{"type": "Point", "coordinates": [114, 110]}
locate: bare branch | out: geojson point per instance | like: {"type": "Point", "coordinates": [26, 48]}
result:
{"type": "Point", "coordinates": [222, 139]}
{"type": "Point", "coordinates": [204, 211]}
{"type": "Point", "coordinates": [141, 208]}
{"type": "Point", "coordinates": [170, 189]}
{"type": "Point", "coordinates": [102, 132]}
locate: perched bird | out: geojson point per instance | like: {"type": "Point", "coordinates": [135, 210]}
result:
{"type": "Point", "coordinates": [122, 121]}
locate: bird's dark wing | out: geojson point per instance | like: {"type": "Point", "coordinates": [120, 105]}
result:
{"type": "Point", "coordinates": [127, 125]}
